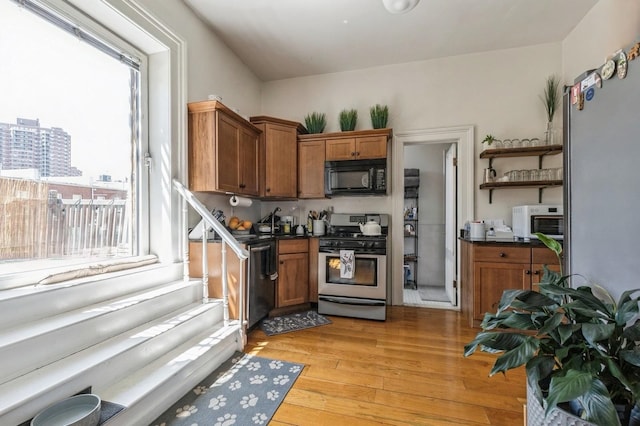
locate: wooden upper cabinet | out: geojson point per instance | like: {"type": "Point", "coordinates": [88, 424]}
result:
{"type": "Point", "coordinates": [311, 169]}
{"type": "Point", "coordinates": [341, 149]}
{"type": "Point", "coordinates": [357, 145]}
{"type": "Point", "coordinates": [278, 156]}
{"type": "Point", "coordinates": [371, 147]}
{"type": "Point", "coordinates": [223, 150]}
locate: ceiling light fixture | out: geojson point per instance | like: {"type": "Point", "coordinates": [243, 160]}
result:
{"type": "Point", "coordinates": [399, 6]}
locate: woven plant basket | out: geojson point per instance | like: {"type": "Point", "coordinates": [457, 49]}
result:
{"type": "Point", "coordinates": [557, 417]}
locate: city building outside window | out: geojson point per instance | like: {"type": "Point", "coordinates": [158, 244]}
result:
{"type": "Point", "coordinates": [69, 134]}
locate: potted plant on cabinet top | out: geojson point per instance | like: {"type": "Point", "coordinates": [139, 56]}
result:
{"type": "Point", "coordinates": [379, 116]}
{"type": "Point", "coordinates": [579, 347]}
{"type": "Point", "coordinates": [348, 119]}
{"type": "Point", "coordinates": [315, 122]}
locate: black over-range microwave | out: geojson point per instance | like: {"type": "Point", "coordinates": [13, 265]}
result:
{"type": "Point", "coordinates": [355, 177]}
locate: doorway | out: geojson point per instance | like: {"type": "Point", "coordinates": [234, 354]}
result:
{"type": "Point", "coordinates": [425, 270]}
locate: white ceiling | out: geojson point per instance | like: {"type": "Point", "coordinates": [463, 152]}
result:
{"type": "Point", "coordinates": [280, 39]}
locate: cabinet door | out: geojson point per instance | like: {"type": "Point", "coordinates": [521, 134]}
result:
{"type": "Point", "coordinates": [311, 157]}
{"type": "Point", "coordinates": [541, 256]}
{"type": "Point", "coordinates": [341, 149]}
{"type": "Point", "coordinates": [202, 152]}
{"type": "Point", "coordinates": [371, 147]}
{"type": "Point", "coordinates": [248, 147]}
{"type": "Point", "coordinates": [293, 276]}
{"type": "Point", "coordinates": [227, 154]}
{"type": "Point", "coordinates": [492, 279]}
{"type": "Point", "coordinates": [281, 160]}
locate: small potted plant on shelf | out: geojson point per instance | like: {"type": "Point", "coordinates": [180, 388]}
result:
{"type": "Point", "coordinates": [379, 116]}
{"type": "Point", "coordinates": [315, 122]}
{"type": "Point", "coordinates": [348, 119]}
{"type": "Point", "coordinates": [580, 349]}
{"type": "Point", "coordinates": [487, 141]}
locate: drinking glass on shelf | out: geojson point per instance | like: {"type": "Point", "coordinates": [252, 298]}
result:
{"type": "Point", "coordinates": [559, 174]}
{"type": "Point", "coordinates": [525, 175]}
{"type": "Point", "coordinates": [516, 143]}
{"type": "Point", "coordinates": [534, 174]}
{"type": "Point", "coordinates": [506, 143]}
{"type": "Point", "coordinates": [507, 176]}
{"type": "Point", "coordinates": [535, 142]}
{"type": "Point", "coordinates": [497, 144]}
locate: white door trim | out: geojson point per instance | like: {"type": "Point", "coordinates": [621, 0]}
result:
{"type": "Point", "coordinates": [463, 136]}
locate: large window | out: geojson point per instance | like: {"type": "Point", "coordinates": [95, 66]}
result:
{"type": "Point", "coordinates": [69, 142]}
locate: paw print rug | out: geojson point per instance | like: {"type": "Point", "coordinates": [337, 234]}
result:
{"type": "Point", "coordinates": [244, 390]}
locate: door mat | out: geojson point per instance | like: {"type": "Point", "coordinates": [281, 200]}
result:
{"type": "Point", "coordinates": [433, 293]}
{"type": "Point", "coordinates": [293, 322]}
{"type": "Point", "coordinates": [244, 390]}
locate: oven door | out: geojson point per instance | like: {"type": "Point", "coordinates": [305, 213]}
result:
{"type": "Point", "coordinates": [551, 225]}
{"type": "Point", "coordinates": [369, 276]}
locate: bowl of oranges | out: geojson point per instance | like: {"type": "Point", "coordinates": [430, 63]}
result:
{"type": "Point", "coordinates": [239, 226]}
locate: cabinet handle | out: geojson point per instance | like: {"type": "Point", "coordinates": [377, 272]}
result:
{"type": "Point", "coordinates": [353, 154]}
{"type": "Point", "coordinates": [527, 272]}
{"type": "Point", "coordinates": [536, 272]}
{"type": "Point", "coordinates": [268, 189]}
{"type": "Point", "coordinates": [282, 262]}
{"type": "Point", "coordinates": [357, 153]}
{"type": "Point", "coordinates": [503, 255]}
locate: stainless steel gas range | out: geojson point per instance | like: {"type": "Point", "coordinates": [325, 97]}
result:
{"type": "Point", "coordinates": [352, 267]}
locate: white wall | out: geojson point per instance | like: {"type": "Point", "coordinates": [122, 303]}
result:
{"type": "Point", "coordinates": [212, 68]}
{"type": "Point", "coordinates": [610, 25]}
{"type": "Point", "coordinates": [497, 91]}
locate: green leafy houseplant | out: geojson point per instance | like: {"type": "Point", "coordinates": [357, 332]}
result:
{"type": "Point", "coordinates": [578, 345]}
{"type": "Point", "coordinates": [379, 116]}
{"type": "Point", "coordinates": [348, 119]}
{"type": "Point", "coordinates": [315, 122]}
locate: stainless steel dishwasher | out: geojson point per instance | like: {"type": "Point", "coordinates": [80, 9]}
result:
{"type": "Point", "coordinates": [262, 277]}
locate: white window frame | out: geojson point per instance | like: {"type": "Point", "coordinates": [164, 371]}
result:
{"type": "Point", "coordinates": [123, 23]}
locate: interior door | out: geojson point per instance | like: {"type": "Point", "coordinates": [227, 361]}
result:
{"type": "Point", "coordinates": [450, 255]}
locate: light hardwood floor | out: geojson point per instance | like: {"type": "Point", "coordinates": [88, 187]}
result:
{"type": "Point", "coordinates": [407, 370]}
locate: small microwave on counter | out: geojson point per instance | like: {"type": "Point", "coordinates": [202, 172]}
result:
{"type": "Point", "coordinates": [355, 177]}
{"type": "Point", "coordinates": [547, 219]}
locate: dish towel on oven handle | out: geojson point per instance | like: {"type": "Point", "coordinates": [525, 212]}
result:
{"type": "Point", "coordinates": [347, 264]}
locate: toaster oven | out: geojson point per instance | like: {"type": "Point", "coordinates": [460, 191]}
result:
{"type": "Point", "coordinates": [529, 219]}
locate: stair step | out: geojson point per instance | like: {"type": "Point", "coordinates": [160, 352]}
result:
{"type": "Point", "coordinates": [52, 299]}
{"type": "Point", "coordinates": [21, 348]}
{"type": "Point", "coordinates": [105, 363]}
{"type": "Point", "coordinates": [147, 393]}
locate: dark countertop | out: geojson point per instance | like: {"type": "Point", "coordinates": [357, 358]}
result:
{"type": "Point", "coordinates": [257, 238]}
{"type": "Point", "coordinates": [514, 243]}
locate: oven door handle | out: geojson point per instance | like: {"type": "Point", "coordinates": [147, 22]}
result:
{"type": "Point", "coordinates": [353, 301]}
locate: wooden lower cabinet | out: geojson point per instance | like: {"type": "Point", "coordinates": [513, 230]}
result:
{"type": "Point", "coordinates": [488, 269]}
{"type": "Point", "coordinates": [491, 280]}
{"type": "Point", "coordinates": [293, 273]}
{"type": "Point", "coordinates": [214, 263]}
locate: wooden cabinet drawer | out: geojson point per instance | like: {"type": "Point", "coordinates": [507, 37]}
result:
{"type": "Point", "coordinates": [544, 256]}
{"type": "Point", "coordinates": [502, 254]}
{"type": "Point", "coordinates": [298, 245]}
